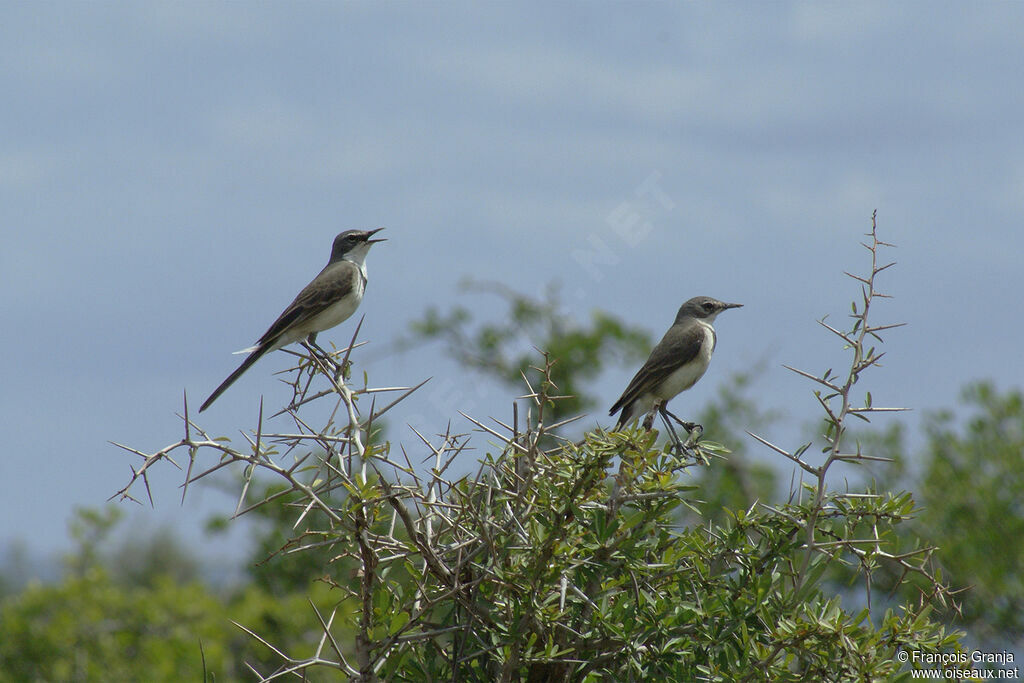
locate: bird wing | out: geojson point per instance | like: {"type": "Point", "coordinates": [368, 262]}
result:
{"type": "Point", "coordinates": [333, 283]}
{"type": "Point", "coordinates": [675, 349]}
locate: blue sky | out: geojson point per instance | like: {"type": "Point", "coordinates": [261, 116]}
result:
{"type": "Point", "coordinates": [171, 174]}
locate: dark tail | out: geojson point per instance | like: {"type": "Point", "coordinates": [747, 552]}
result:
{"type": "Point", "coordinates": [622, 416]}
{"type": "Point", "coordinates": [246, 364]}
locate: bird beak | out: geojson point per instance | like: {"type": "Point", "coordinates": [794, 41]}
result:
{"type": "Point", "coordinates": [732, 306]}
{"type": "Point", "coordinates": [371, 233]}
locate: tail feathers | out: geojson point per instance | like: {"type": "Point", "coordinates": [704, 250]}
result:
{"type": "Point", "coordinates": [256, 354]}
{"type": "Point", "coordinates": [624, 416]}
{"type": "Point", "coordinates": [248, 350]}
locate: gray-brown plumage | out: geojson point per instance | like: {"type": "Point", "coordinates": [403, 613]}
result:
{"type": "Point", "coordinates": [330, 299]}
{"type": "Point", "coordinates": [676, 363]}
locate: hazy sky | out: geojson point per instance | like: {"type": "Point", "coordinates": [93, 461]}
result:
{"type": "Point", "coordinates": [171, 174]}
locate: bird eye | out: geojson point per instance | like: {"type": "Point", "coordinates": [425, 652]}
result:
{"type": "Point", "coordinates": [708, 306]}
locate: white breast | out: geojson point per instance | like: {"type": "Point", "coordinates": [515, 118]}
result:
{"type": "Point", "coordinates": [338, 312]}
{"type": "Point", "coordinates": [679, 381]}
{"type": "Point", "coordinates": [686, 376]}
{"type": "Point", "coordinates": [335, 314]}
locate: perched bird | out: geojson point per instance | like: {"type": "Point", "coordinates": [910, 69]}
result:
{"type": "Point", "coordinates": [328, 300]}
{"type": "Point", "coordinates": [675, 364]}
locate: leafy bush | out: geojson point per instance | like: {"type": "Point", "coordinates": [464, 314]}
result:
{"type": "Point", "coordinates": [568, 560]}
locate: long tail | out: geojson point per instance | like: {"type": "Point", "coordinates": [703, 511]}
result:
{"type": "Point", "coordinates": [246, 364]}
{"type": "Point", "coordinates": [624, 417]}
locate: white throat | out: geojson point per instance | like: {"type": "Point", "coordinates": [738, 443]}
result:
{"type": "Point", "coordinates": [357, 255]}
{"type": "Point", "coordinates": [706, 324]}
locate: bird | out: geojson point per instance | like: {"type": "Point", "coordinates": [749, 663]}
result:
{"type": "Point", "coordinates": [675, 364]}
{"type": "Point", "coordinates": [328, 300]}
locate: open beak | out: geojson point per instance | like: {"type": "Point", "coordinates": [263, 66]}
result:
{"type": "Point", "coordinates": [371, 233]}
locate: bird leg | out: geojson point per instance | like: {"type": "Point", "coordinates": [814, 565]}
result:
{"type": "Point", "coordinates": [670, 430]}
{"type": "Point", "coordinates": [677, 445]}
{"type": "Point", "coordinates": [320, 356]}
{"type": "Point", "coordinates": [688, 426]}
{"type": "Point", "coordinates": [649, 419]}
{"type": "Point", "coordinates": [311, 344]}
{"type": "Point", "coordinates": [693, 430]}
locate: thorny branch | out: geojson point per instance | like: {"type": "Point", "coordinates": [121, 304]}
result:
{"type": "Point", "coordinates": [835, 396]}
{"type": "Point", "coordinates": [520, 566]}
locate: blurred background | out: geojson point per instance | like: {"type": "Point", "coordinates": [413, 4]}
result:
{"type": "Point", "coordinates": [172, 173]}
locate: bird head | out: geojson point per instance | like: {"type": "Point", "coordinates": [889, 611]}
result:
{"type": "Point", "coordinates": [353, 244]}
{"type": "Point", "coordinates": [703, 308]}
